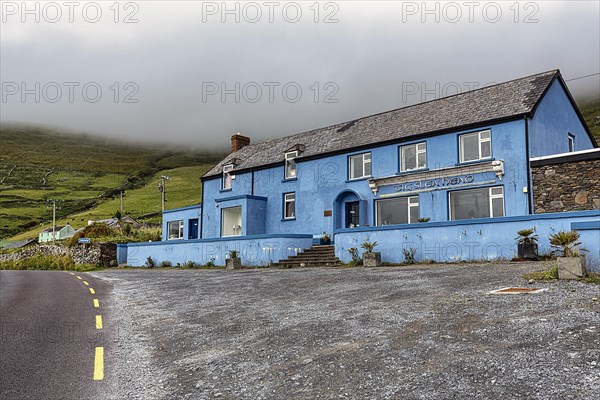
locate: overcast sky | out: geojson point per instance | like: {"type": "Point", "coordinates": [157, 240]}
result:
{"type": "Point", "coordinates": [187, 72]}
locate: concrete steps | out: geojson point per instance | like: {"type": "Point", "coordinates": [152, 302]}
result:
{"type": "Point", "coordinates": [316, 256]}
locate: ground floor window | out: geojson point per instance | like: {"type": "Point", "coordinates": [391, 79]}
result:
{"type": "Point", "coordinates": [175, 230]}
{"type": "Point", "coordinates": [397, 210]}
{"type": "Point", "coordinates": [231, 221]}
{"type": "Point", "coordinates": [477, 203]}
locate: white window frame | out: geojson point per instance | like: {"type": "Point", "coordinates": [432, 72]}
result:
{"type": "Point", "coordinates": [227, 173]}
{"type": "Point", "coordinates": [236, 229]}
{"type": "Point", "coordinates": [418, 151]}
{"type": "Point", "coordinates": [290, 157]}
{"type": "Point", "coordinates": [491, 197]}
{"type": "Point", "coordinates": [364, 163]}
{"type": "Point", "coordinates": [571, 143]}
{"type": "Point", "coordinates": [180, 232]}
{"type": "Point", "coordinates": [289, 198]}
{"type": "Point", "coordinates": [496, 196]}
{"type": "Point", "coordinates": [412, 201]}
{"type": "Point", "coordinates": [480, 140]}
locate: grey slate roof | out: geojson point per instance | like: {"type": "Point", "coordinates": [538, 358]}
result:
{"type": "Point", "coordinates": [505, 100]}
{"type": "Point", "coordinates": [56, 228]}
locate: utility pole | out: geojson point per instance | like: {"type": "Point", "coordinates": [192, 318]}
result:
{"type": "Point", "coordinates": [121, 204]}
{"type": "Point", "coordinates": [162, 188]}
{"type": "Point", "coordinates": [53, 221]}
{"type": "Point", "coordinates": [53, 218]}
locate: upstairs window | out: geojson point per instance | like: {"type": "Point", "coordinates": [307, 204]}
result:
{"type": "Point", "coordinates": [413, 156]}
{"type": "Point", "coordinates": [290, 164]}
{"type": "Point", "coordinates": [175, 230]}
{"type": "Point", "coordinates": [227, 176]}
{"type": "Point", "coordinates": [359, 166]}
{"type": "Point", "coordinates": [289, 206]}
{"type": "Point", "coordinates": [571, 143]}
{"type": "Point", "coordinates": [475, 146]}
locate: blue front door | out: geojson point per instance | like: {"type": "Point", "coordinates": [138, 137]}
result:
{"type": "Point", "coordinates": [193, 229]}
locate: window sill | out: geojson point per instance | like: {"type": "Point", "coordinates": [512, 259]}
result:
{"type": "Point", "coordinates": [288, 219]}
{"type": "Point", "coordinates": [482, 160]}
{"type": "Point", "coordinates": [225, 190]}
{"type": "Point", "coordinates": [289, 179]}
{"type": "Point", "coordinates": [359, 179]}
{"type": "Point", "coordinates": [412, 171]}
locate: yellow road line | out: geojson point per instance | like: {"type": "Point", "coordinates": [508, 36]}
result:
{"type": "Point", "coordinates": [71, 273]}
{"type": "Point", "coordinates": [99, 364]}
{"type": "Point", "coordinates": [96, 304]}
{"type": "Point", "coordinates": [98, 321]}
{"type": "Point", "coordinates": [92, 291]}
{"type": "Point", "coordinates": [78, 277]}
{"type": "Point", "coordinates": [85, 283]}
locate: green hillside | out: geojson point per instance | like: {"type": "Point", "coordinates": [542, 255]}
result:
{"type": "Point", "coordinates": [86, 174]}
{"type": "Point", "coordinates": [590, 109]}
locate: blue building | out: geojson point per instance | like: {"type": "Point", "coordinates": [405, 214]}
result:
{"type": "Point", "coordinates": [451, 171]}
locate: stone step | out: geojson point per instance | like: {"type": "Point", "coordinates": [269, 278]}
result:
{"type": "Point", "coordinates": [286, 264]}
{"type": "Point", "coordinates": [312, 260]}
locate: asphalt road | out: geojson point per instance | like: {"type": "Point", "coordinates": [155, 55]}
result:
{"type": "Point", "coordinates": [49, 335]}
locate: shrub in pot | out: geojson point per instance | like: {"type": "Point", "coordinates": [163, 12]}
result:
{"type": "Point", "coordinates": [325, 239]}
{"type": "Point", "coordinates": [234, 261]}
{"type": "Point", "coordinates": [370, 258]}
{"type": "Point", "coordinates": [571, 264]}
{"type": "Point", "coordinates": [527, 247]}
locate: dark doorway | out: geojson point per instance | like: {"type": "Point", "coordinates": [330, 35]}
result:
{"type": "Point", "coordinates": [352, 214]}
{"type": "Point", "coordinates": [193, 229]}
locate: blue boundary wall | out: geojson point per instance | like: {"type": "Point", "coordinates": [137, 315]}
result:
{"type": "Point", "coordinates": [256, 250]}
{"type": "Point", "coordinates": [471, 240]}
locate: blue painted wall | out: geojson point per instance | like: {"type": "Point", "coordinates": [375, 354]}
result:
{"type": "Point", "coordinates": [178, 214]}
{"type": "Point", "coordinates": [554, 119]}
{"type": "Point", "coordinates": [320, 182]}
{"type": "Point", "coordinates": [487, 239]}
{"type": "Point", "coordinates": [258, 250]}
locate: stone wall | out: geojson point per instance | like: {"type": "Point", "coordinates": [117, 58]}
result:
{"type": "Point", "coordinates": [103, 254]}
{"type": "Point", "coordinates": [568, 186]}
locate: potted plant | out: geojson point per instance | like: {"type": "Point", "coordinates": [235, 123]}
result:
{"type": "Point", "coordinates": [571, 264]}
{"type": "Point", "coordinates": [325, 239]}
{"type": "Point", "coordinates": [370, 257]}
{"type": "Point", "coordinates": [424, 219]}
{"type": "Point", "coordinates": [527, 247]}
{"type": "Point", "coordinates": [233, 261]}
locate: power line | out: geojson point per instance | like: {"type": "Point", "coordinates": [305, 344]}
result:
{"type": "Point", "coordinates": [581, 77]}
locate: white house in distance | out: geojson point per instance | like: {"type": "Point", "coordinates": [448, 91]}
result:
{"type": "Point", "coordinates": [61, 232]}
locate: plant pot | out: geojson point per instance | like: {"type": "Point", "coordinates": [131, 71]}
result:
{"type": "Point", "coordinates": [571, 267]}
{"type": "Point", "coordinates": [528, 251]}
{"type": "Point", "coordinates": [324, 242]}
{"type": "Point", "coordinates": [233, 263]}
{"type": "Point", "coordinates": [372, 259]}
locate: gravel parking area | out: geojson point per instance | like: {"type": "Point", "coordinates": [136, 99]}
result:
{"type": "Point", "coordinates": [424, 332]}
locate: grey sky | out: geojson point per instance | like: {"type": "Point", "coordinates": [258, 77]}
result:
{"type": "Point", "coordinates": [377, 56]}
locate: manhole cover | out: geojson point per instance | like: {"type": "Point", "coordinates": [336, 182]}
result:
{"type": "Point", "coordinates": [517, 290]}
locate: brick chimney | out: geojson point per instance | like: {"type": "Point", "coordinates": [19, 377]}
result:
{"type": "Point", "coordinates": [238, 141]}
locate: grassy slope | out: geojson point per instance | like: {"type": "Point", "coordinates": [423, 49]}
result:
{"type": "Point", "coordinates": [590, 109]}
{"type": "Point", "coordinates": [86, 173]}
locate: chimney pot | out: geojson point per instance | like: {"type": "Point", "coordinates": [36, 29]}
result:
{"type": "Point", "coordinates": [238, 141]}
